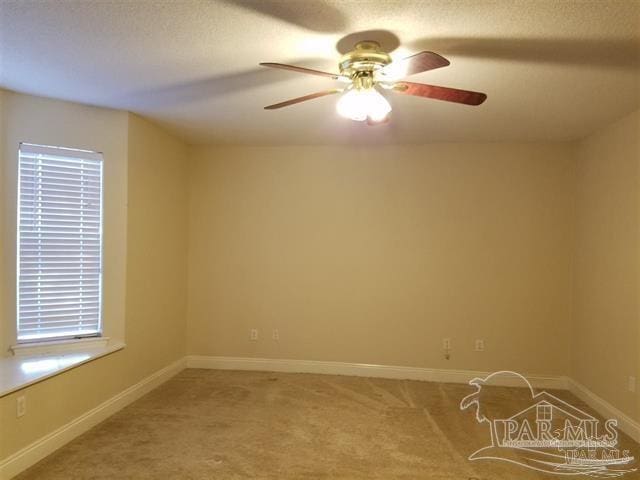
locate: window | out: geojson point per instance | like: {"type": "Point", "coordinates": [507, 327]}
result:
{"type": "Point", "coordinates": [59, 265]}
{"type": "Point", "coordinates": [545, 413]}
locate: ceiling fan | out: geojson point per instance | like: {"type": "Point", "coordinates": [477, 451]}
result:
{"type": "Point", "coordinates": [367, 68]}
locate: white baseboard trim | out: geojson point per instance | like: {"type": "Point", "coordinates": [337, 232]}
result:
{"type": "Point", "coordinates": [625, 423]}
{"type": "Point", "coordinates": [46, 445]}
{"type": "Point", "coordinates": [363, 370]}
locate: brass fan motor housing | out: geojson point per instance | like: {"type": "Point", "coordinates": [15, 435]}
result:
{"type": "Point", "coordinates": [362, 61]}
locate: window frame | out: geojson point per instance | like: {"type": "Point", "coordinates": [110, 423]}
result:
{"type": "Point", "coordinates": [79, 337]}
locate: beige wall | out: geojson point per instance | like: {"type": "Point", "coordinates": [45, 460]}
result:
{"type": "Point", "coordinates": [3, 251]}
{"type": "Point", "coordinates": [605, 333]}
{"type": "Point", "coordinates": [376, 255]}
{"type": "Point", "coordinates": [157, 245]}
{"type": "Point", "coordinates": [154, 267]}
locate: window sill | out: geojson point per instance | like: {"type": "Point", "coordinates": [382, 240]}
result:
{"type": "Point", "coordinates": [58, 346]}
{"type": "Point", "coordinates": [25, 369]}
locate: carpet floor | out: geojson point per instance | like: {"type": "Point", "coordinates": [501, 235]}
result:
{"type": "Point", "coordinates": [209, 424]}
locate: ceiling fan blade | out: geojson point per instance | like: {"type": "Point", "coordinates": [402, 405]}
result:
{"type": "Point", "coordinates": [311, 96]}
{"type": "Point", "coordinates": [440, 93]}
{"type": "Point", "coordinates": [308, 71]}
{"type": "Point", "coordinates": [420, 62]}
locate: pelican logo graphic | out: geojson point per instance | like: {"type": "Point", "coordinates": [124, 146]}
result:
{"type": "Point", "coordinates": [548, 434]}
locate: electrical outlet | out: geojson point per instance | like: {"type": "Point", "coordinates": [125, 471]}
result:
{"type": "Point", "coordinates": [446, 344]}
{"type": "Point", "coordinates": [21, 406]}
{"type": "Point", "coordinates": [632, 384]}
{"type": "Point", "coordinates": [479, 345]}
{"type": "Point", "coordinates": [254, 334]}
{"type": "Point", "coordinates": [275, 335]}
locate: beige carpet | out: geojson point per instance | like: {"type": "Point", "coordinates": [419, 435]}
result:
{"type": "Point", "coordinates": [207, 424]}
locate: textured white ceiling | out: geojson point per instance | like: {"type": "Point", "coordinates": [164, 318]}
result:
{"type": "Point", "coordinates": [553, 70]}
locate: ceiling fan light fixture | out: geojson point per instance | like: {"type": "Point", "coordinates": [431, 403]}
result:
{"type": "Point", "coordinates": [360, 104]}
{"type": "Point", "coordinates": [367, 67]}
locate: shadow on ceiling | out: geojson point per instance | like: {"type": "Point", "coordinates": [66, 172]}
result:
{"type": "Point", "coordinates": [577, 52]}
{"type": "Point", "coordinates": [215, 86]}
{"type": "Point", "coordinates": [314, 15]}
{"type": "Point", "coordinates": [622, 54]}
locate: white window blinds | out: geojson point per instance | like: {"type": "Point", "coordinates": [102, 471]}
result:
{"type": "Point", "coordinates": [59, 242]}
